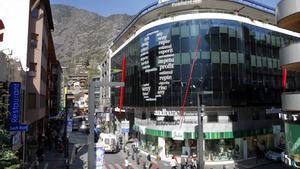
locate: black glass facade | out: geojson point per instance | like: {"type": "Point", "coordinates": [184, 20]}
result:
{"type": "Point", "coordinates": [238, 61]}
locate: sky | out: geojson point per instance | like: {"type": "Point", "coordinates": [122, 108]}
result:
{"type": "Point", "coordinates": [131, 7]}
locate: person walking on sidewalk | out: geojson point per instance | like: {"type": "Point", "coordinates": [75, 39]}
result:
{"type": "Point", "coordinates": [126, 163]}
{"type": "Point", "coordinates": [173, 162]}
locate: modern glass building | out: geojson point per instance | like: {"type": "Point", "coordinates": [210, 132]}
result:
{"type": "Point", "coordinates": [287, 16]}
{"type": "Point", "coordinates": [175, 50]}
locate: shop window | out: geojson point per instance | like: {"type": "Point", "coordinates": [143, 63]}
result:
{"type": "Point", "coordinates": [185, 45]}
{"type": "Point", "coordinates": [212, 118]}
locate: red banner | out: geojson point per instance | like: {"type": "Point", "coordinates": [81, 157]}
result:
{"type": "Point", "coordinates": [122, 80]}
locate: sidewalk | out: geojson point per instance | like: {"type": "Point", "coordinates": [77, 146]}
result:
{"type": "Point", "coordinates": [54, 160]}
{"type": "Point", "coordinates": [253, 163]}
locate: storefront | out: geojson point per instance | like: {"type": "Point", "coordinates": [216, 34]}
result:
{"type": "Point", "coordinates": [218, 146]}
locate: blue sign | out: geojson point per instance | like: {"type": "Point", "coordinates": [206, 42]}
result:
{"type": "Point", "coordinates": [14, 103]}
{"type": "Point", "coordinates": [125, 130]}
{"type": "Point", "coordinates": [19, 127]}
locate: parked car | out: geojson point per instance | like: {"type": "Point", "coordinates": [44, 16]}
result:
{"type": "Point", "coordinates": [274, 154]}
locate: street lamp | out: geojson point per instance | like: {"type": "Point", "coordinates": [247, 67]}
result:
{"type": "Point", "coordinates": [200, 125]}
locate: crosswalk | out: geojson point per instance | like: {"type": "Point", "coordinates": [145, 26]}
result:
{"type": "Point", "coordinates": [112, 166]}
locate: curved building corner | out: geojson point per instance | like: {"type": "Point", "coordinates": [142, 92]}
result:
{"type": "Point", "coordinates": [178, 49]}
{"type": "Point", "coordinates": [288, 17]}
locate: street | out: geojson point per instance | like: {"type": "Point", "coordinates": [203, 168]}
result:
{"type": "Point", "coordinates": [116, 160]}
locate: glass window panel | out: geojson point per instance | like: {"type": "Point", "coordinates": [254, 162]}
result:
{"type": "Point", "coordinates": [225, 57]}
{"type": "Point", "coordinates": [175, 43]}
{"type": "Point", "coordinates": [215, 42]}
{"type": "Point", "coordinates": [185, 45]}
{"type": "Point", "coordinates": [194, 30]}
{"type": "Point", "coordinates": [194, 43]}
{"type": "Point", "coordinates": [185, 58]}
{"type": "Point", "coordinates": [185, 71]}
{"type": "Point", "coordinates": [264, 61]}
{"type": "Point", "coordinates": [275, 61]}
{"type": "Point", "coordinates": [193, 55]}
{"type": "Point", "coordinates": [177, 59]}
{"type": "Point", "coordinates": [175, 30]}
{"type": "Point", "coordinates": [253, 60]}
{"type": "Point", "coordinates": [185, 30]}
{"type": "Point", "coordinates": [233, 58]}
{"type": "Point", "coordinates": [232, 44]}
{"type": "Point", "coordinates": [270, 63]}
{"type": "Point", "coordinates": [205, 55]}
{"type": "Point", "coordinates": [215, 57]}
{"type": "Point", "coordinates": [223, 30]}
{"type": "Point", "coordinates": [232, 32]}
{"type": "Point", "coordinates": [241, 58]}
{"type": "Point", "coordinates": [259, 64]}
{"type": "Point", "coordinates": [224, 42]}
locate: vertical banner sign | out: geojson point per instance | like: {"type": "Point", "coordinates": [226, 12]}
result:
{"type": "Point", "coordinates": [122, 80]}
{"type": "Point", "coordinates": [284, 77]}
{"type": "Point", "coordinates": [14, 103]}
{"type": "Point", "coordinates": [99, 152]}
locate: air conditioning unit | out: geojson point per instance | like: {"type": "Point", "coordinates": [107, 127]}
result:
{"type": "Point", "coordinates": [32, 73]}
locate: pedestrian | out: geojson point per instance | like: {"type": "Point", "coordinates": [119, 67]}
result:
{"type": "Point", "coordinates": [126, 163]}
{"type": "Point", "coordinates": [173, 162]}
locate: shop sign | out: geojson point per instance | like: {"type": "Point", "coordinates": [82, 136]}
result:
{"type": "Point", "coordinates": [167, 117]}
{"type": "Point", "coordinates": [177, 135]}
{"type": "Point", "coordinates": [14, 102]}
{"type": "Point", "coordinates": [289, 161]}
{"type": "Point", "coordinates": [289, 117]}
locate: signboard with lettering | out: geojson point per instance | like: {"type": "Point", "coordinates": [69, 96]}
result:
{"type": "Point", "coordinates": [15, 107]}
{"type": "Point", "coordinates": [125, 126]}
{"type": "Point", "coordinates": [172, 117]}
{"type": "Point", "coordinates": [14, 102]}
{"type": "Point", "coordinates": [177, 135]}
{"type": "Point", "coordinates": [157, 62]}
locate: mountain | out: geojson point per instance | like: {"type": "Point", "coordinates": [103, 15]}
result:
{"type": "Point", "coordinates": [80, 35]}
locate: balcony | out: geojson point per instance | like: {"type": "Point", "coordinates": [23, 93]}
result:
{"type": "Point", "coordinates": [290, 57]}
{"type": "Point", "coordinates": [290, 101]}
{"type": "Point", "coordinates": [288, 14]}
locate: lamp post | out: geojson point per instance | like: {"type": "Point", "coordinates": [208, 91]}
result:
{"type": "Point", "coordinates": [200, 126]}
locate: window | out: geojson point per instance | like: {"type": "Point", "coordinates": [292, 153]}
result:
{"type": "Point", "coordinates": [35, 13]}
{"type": "Point", "coordinates": [31, 100]}
{"type": "Point", "coordinates": [32, 66]}
{"type": "Point", "coordinates": [212, 118]}
{"type": "Point", "coordinates": [34, 39]}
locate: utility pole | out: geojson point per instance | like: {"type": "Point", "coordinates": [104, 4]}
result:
{"type": "Point", "coordinates": [200, 143]}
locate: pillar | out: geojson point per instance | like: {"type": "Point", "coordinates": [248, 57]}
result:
{"type": "Point", "coordinates": [162, 144]}
{"type": "Point", "coordinates": [245, 149]}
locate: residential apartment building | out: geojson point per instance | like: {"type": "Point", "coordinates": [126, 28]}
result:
{"type": "Point", "coordinates": [26, 28]}
{"type": "Point", "coordinates": [288, 17]}
{"type": "Point", "coordinates": [173, 50]}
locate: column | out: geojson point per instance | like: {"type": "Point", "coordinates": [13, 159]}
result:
{"type": "Point", "coordinates": [245, 148]}
{"type": "Point", "coordinates": [162, 144]}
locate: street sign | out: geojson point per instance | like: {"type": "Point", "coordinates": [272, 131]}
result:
{"type": "Point", "coordinates": [109, 84]}
{"type": "Point", "coordinates": [19, 127]}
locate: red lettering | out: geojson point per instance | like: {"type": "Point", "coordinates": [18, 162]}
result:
{"type": "Point", "coordinates": [1, 28]}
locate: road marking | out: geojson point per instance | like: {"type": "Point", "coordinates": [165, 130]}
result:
{"type": "Point", "coordinates": [46, 166]}
{"type": "Point", "coordinates": [118, 166]}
